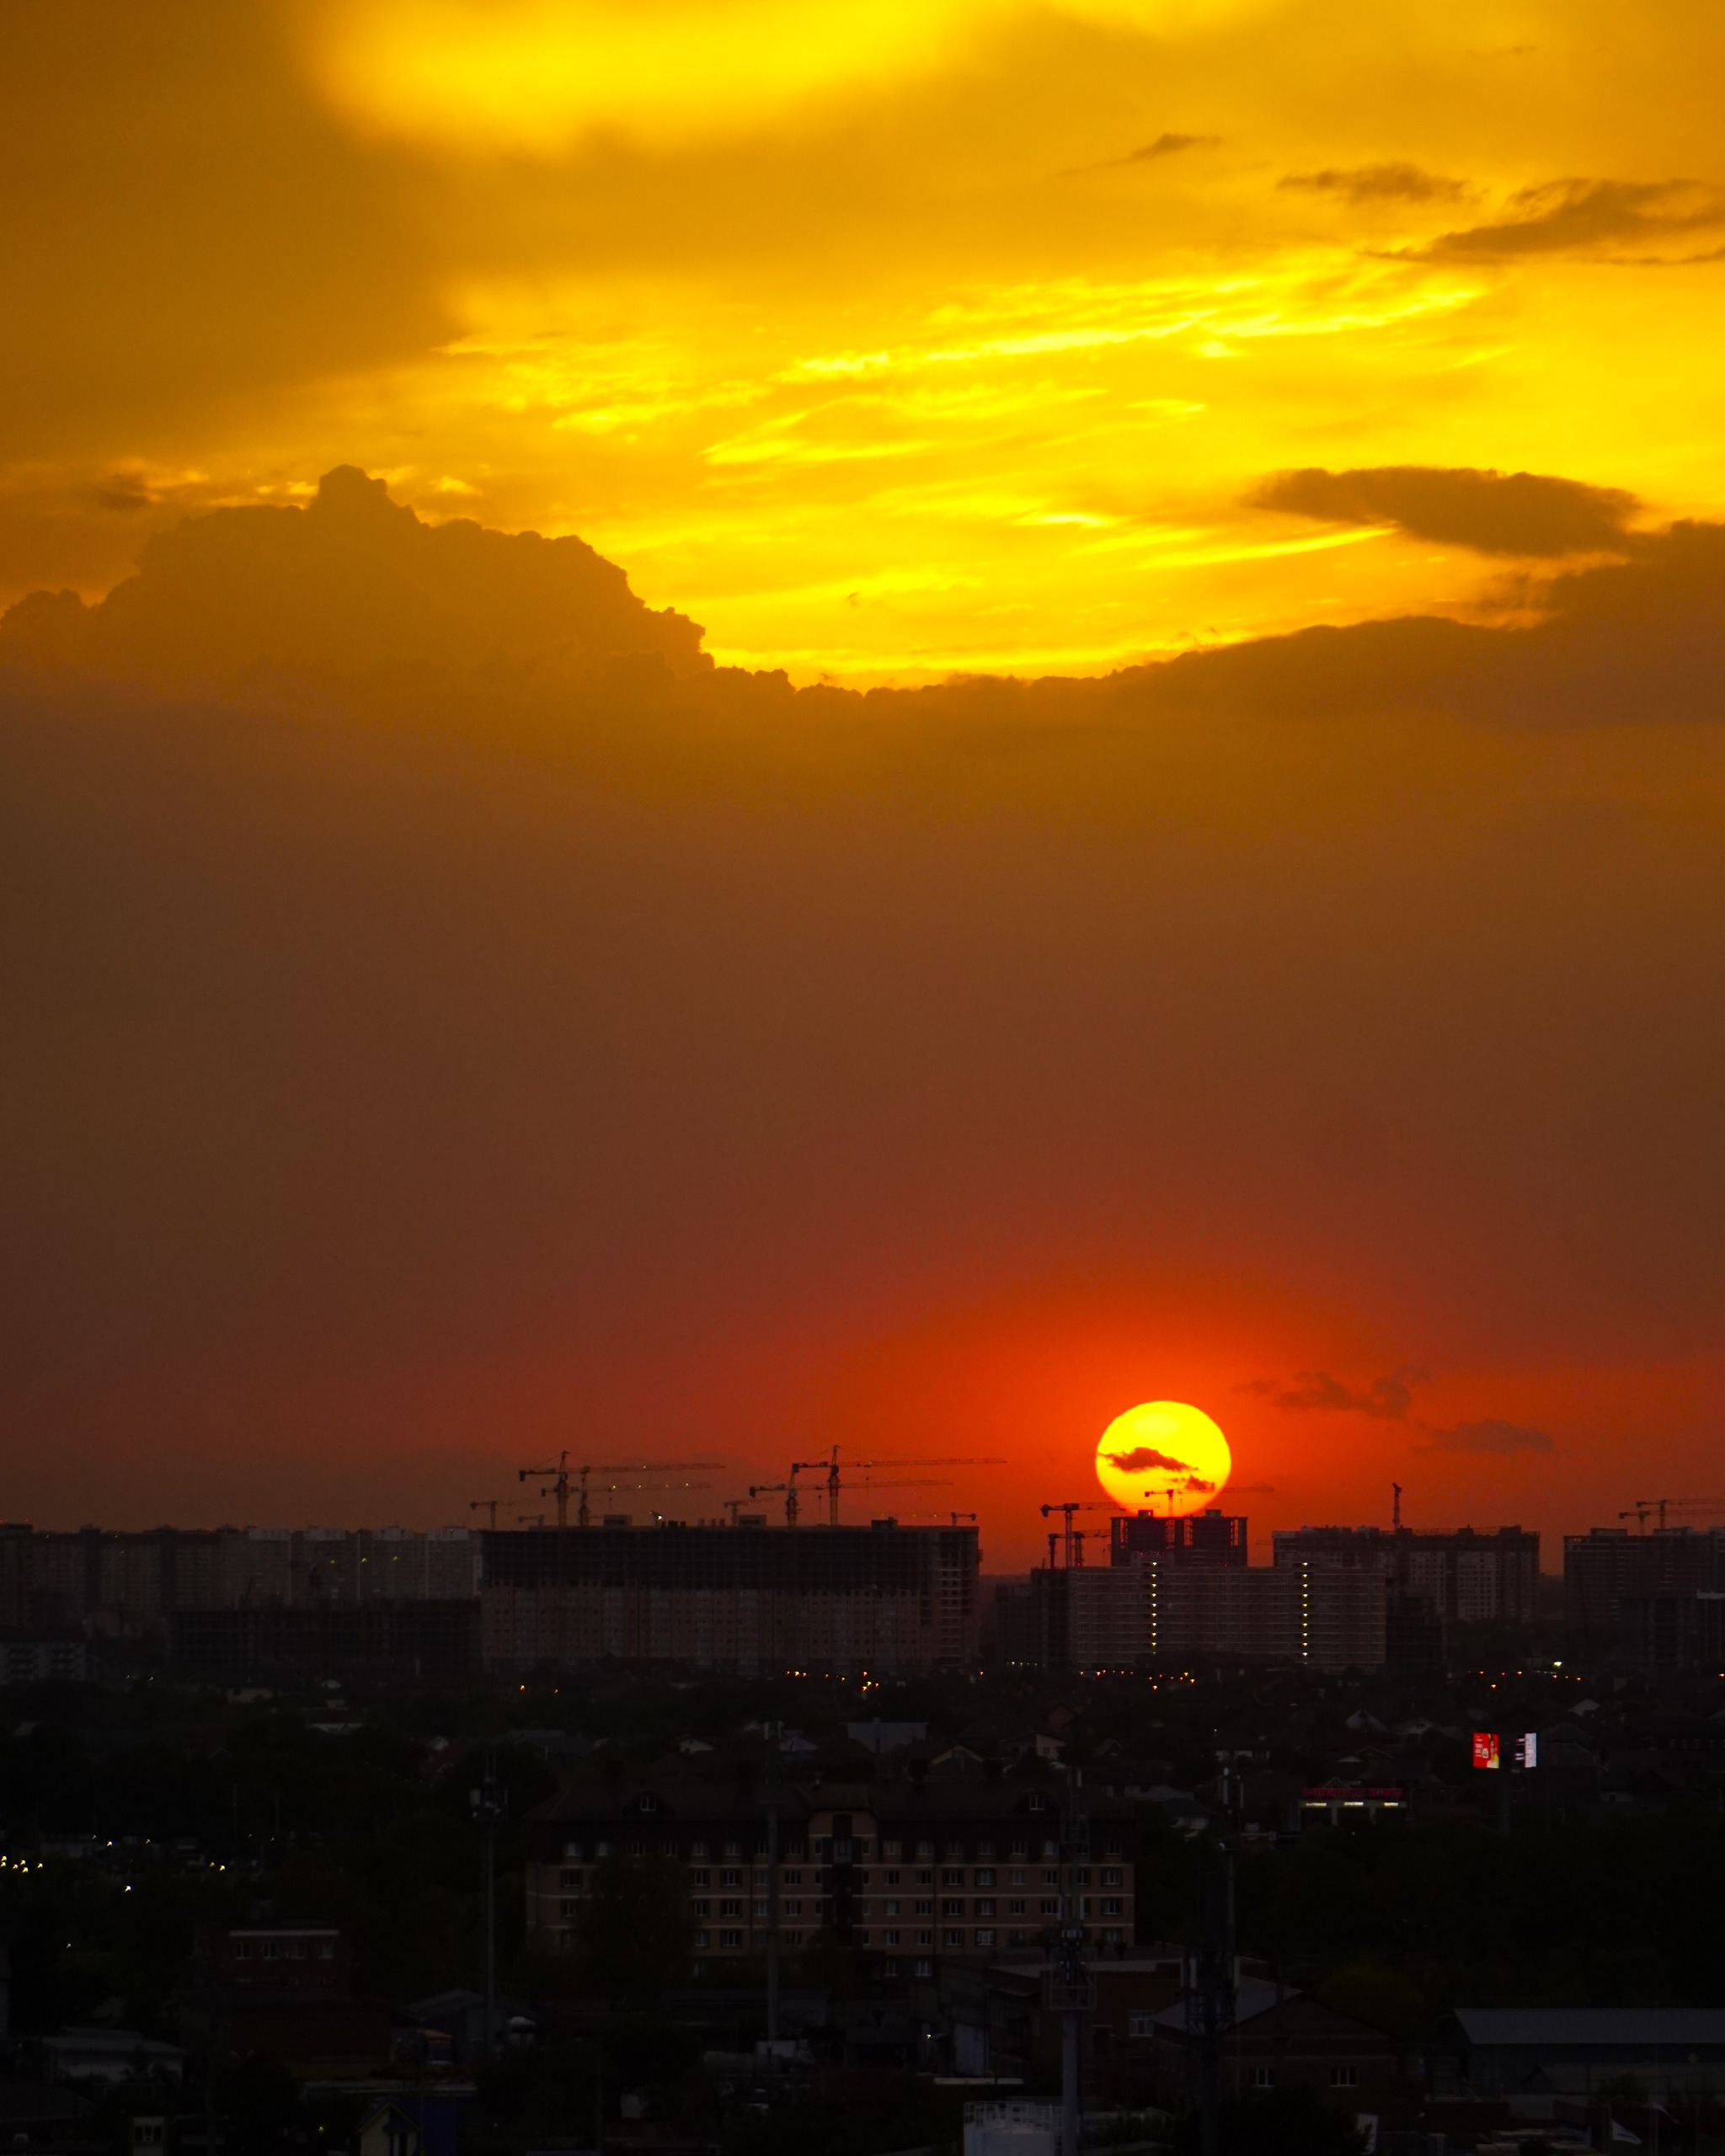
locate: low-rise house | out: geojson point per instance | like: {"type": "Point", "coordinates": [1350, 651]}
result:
{"type": "Point", "coordinates": [1278, 2039]}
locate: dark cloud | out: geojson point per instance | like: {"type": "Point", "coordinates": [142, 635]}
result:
{"type": "Point", "coordinates": [1523, 513]}
{"type": "Point", "coordinates": [394, 1052]}
{"type": "Point", "coordinates": [1141, 1458]}
{"type": "Point", "coordinates": [1492, 1435]}
{"type": "Point", "coordinates": [189, 222]}
{"type": "Point", "coordinates": [1387, 1399]}
{"type": "Point", "coordinates": [1164, 146]}
{"type": "Point", "coordinates": [352, 588]}
{"type": "Point", "coordinates": [1169, 145]}
{"type": "Point", "coordinates": [1382, 182]}
{"type": "Point", "coordinates": [1589, 216]}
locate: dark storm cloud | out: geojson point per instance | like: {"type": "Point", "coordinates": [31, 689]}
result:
{"type": "Point", "coordinates": [1524, 513]}
{"type": "Point", "coordinates": [565, 999]}
{"type": "Point", "coordinates": [1492, 1435]}
{"type": "Point", "coordinates": [1589, 216]}
{"type": "Point", "coordinates": [1382, 182]}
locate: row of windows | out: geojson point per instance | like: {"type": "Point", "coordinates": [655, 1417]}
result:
{"type": "Point", "coordinates": [571, 1878]}
{"type": "Point", "coordinates": [1341, 2077]}
{"type": "Point", "coordinates": [793, 1908]}
{"type": "Point", "coordinates": [795, 1849]}
{"type": "Point", "coordinates": [285, 1949]}
{"type": "Point", "coordinates": [893, 1937]}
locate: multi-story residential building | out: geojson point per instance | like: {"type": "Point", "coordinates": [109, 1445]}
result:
{"type": "Point", "coordinates": [131, 1583]}
{"type": "Point", "coordinates": [751, 1598]}
{"type": "Point", "coordinates": [1607, 1564]}
{"type": "Point", "coordinates": [909, 1873]}
{"type": "Point", "coordinates": [1206, 1538]}
{"type": "Point", "coordinates": [1162, 1610]}
{"type": "Point", "coordinates": [1461, 1576]}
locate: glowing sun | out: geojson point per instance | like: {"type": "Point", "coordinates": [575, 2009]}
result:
{"type": "Point", "coordinates": [1163, 1457]}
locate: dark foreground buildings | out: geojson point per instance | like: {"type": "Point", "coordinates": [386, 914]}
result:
{"type": "Point", "coordinates": [911, 1874]}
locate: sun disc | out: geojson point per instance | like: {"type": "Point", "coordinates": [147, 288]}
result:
{"type": "Point", "coordinates": [1163, 1457]}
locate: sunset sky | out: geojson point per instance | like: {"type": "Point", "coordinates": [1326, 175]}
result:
{"type": "Point", "coordinates": [444, 1019]}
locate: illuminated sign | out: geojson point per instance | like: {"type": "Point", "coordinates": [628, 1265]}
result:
{"type": "Point", "coordinates": [1491, 1750]}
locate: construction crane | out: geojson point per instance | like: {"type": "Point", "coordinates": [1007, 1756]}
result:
{"type": "Point", "coordinates": [789, 1487]}
{"type": "Point", "coordinates": [1663, 1505]}
{"type": "Point", "coordinates": [559, 1483]}
{"type": "Point", "coordinates": [485, 1505]}
{"type": "Point", "coordinates": [828, 1470]}
{"type": "Point", "coordinates": [1638, 1514]}
{"type": "Point", "coordinates": [1074, 1539]}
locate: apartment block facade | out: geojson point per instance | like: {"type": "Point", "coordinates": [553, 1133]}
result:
{"type": "Point", "coordinates": [130, 1583]}
{"type": "Point", "coordinates": [750, 1599]}
{"type": "Point", "coordinates": [910, 1874]}
{"type": "Point", "coordinates": [1609, 1565]}
{"type": "Point", "coordinates": [1160, 1611]}
{"type": "Point", "coordinates": [1462, 1576]}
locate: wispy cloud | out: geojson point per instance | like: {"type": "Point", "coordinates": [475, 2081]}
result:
{"type": "Point", "coordinates": [1598, 217]}
{"type": "Point", "coordinates": [1385, 1399]}
{"type": "Point", "coordinates": [1382, 182]}
{"type": "Point", "coordinates": [1492, 1434]}
{"type": "Point", "coordinates": [1164, 146]}
{"type": "Point", "coordinates": [1390, 1399]}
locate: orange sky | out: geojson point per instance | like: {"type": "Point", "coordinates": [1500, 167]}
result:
{"type": "Point", "coordinates": [471, 1051]}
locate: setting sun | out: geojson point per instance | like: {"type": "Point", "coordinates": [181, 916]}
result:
{"type": "Point", "coordinates": [1163, 1457]}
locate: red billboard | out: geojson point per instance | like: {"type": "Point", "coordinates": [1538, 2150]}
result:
{"type": "Point", "coordinates": [1485, 1748]}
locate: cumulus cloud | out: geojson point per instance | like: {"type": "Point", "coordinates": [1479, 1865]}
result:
{"type": "Point", "coordinates": [352, 587]}
{"type": "Point", "coordinates": [1522, 513]}
{"type": "Point", "coordinates": [1492, 1435]}
{"type": "Point", "coordinates": [1380, 183]}
{"type": "Point", "coordinates": [1612, 217]}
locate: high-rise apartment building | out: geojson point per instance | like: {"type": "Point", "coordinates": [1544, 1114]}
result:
{"type": "Point", "coordinates": [752, 1599]}
{"type": "Point", "coordinates": [1161, 1611]}
{"type": "Point", "coordinates": [1206, 1538]}
{"type": "Point", "coordinates": [1461, 1576]}
{"type": "Point", "coordinates": [134, 1581]}
{"type": "Point", "coordinates": [1608, 1564]}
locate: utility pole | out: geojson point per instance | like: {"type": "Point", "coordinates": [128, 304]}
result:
{"type": "Point", "coordinates": [775, 1763]}
{"type": "Point", "coordinates": [1209, 1997]}
{"type": "Point", "coordinates": [1069, 1986]}
{"type": "Point", "coordinates": [490, 1802]}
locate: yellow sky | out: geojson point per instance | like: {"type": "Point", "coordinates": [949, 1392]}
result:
{"type": "Point", "coordinates": [886, 342]}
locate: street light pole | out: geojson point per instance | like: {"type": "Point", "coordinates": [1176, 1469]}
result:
{"type": "Point", "coordinates": [490, 1808]}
